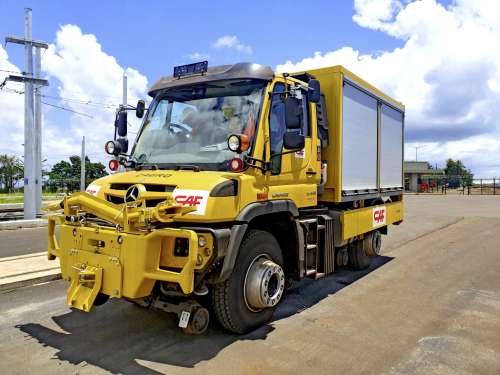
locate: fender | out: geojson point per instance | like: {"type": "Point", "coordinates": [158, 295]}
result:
{"type": "Point", "coordinates": [238, 230]}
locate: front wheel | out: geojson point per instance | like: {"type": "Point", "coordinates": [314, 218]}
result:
{"type": "Point", "coordinates": [249, 297]}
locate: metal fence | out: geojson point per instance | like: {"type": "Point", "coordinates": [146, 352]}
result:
{"type": "Point", "coordinates": [459, 185]}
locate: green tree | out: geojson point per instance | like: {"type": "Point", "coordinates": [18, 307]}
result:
{"type": "Point", "coordinates": [11, 171]}
{"type": "Point", "coordinates": [458, 173]}
{"type": "Point", "coordinates": [66, 174]}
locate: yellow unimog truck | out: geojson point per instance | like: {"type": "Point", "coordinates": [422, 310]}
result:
{"type": "Point", "coordinates": [240, 181]}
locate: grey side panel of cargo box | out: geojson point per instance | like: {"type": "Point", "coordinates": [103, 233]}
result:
{"type": "Point", "coordinates": [359, 140]}
{"type": "Point", "coordinates": [391, 148]}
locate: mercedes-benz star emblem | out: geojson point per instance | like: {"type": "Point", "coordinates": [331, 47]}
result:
{"type": "Point", "coordinates": [132, 194]}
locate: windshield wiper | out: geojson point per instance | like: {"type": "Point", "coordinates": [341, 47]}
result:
{"type": "Point", "coordinates": [187, 167]}
{"type": "Point", "coordinates": [152, 167]}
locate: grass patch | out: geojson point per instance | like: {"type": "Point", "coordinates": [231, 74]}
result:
{"type": "Point", "coordinates": [19, 198]}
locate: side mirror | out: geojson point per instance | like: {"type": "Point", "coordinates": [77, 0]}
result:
{"type": "Point", "coordinates": [139, 110]}
{"type": "Point", "coordinates": [293, 113]}
{"type": "Point", "coordinates": [293, 141]}
{"type": "Point", "coordinates": [314, 92]}
{"type": "Point", "coordinates": [121, 123]}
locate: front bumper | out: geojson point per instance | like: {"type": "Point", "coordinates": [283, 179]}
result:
{"type": "Point", "coordinates": [98, 259]}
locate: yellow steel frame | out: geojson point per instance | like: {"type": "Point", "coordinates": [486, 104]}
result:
{"type": "Point", "coordinates": [360, 221]}
{"type": "Point", "coordinates": [116, 262]}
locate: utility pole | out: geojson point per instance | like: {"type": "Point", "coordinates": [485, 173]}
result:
{"type": "Point", "coordinates": [29, 126]}
{"type": "Point", "coordinates": [31, 140]}
{"type": "Point", "coordinates": [416, 151]}
{"type": "Point", "coordinates": [38, 132]}
{"type": "Point", "coordinates": [82, 166]}
{"type": "Point", "coordinates": [124, 90]}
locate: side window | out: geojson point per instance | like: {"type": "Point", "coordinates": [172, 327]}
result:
{"type": "Point", "coordinates": [159, 117]}
{"type": "Point", "coordinates": [277, 127]}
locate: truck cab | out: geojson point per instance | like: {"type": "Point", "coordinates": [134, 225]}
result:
{"type": "Point", "coordinates": [239, 181]}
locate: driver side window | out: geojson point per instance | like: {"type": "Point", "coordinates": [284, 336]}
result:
{"type": "Point", "coordinates": [277, 127]}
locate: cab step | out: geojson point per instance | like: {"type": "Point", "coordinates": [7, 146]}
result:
{"type": "Point", "coordinates": [319, 257]}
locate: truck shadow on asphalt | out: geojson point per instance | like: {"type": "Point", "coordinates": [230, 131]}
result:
{"type": "Point", "coordinates": [122, 338]}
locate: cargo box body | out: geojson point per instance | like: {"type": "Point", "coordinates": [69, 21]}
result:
{"type": "Point", "coordinates": [365, 138]}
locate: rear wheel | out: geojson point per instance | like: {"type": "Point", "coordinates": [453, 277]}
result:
{"type": "Point", "coordinates": [358, 259]}
{"type": "Point", "coordinates": [249, 297]}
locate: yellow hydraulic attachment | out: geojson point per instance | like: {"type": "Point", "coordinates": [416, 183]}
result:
{"type": "Point", "coordinates": [130, 217]}
{"type": "Point", "coordinates": [116, 249]}
{"type": "Point", "coordinates": [85, 285]}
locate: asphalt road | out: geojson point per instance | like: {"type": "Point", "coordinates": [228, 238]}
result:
{"type": "Point", "coordinates": [22, 241]}
{"type": "Point", "coordinates": [430, 305]}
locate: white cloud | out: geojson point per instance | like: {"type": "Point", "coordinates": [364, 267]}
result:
{"type": "Point", "coordinates": [447, 73]}
{"type": "Point", "coordinates": [11, 109]}
{"type": "Point", "coordinates": [232, 41]}
{"type": "Point", "coordinates": [197, 56]}
{"type": "Point", "coordinates": [87, 73]}
{"type": "Point", "coordinates": [373, 14]}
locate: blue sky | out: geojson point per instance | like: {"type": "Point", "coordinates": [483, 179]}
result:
{"type": "Point", "coordinates": [441, 58]}
{"type": "Point", "coordinates": [155, 37]}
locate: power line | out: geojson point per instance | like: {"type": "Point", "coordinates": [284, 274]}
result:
{"type": "Point", "coordinates": [76, 92]}
{"type": "Point", "coordinates": [83, 101]}
{"type": "Point", "coordinates": [11, 71]}
{"type": "Point", "coordinates": [67, 109]}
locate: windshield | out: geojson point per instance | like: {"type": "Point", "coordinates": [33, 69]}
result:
{"type": "Point", "coordinates": [190, 125]}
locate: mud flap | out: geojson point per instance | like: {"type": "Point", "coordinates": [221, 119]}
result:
{"type": "Point", "coordinates": [85, 286]}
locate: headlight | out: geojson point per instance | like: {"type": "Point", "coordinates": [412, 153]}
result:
{"type": "Point", "coordinates": [202, 241]}
{"type": "Point", "coordinates": [112, 148]}
{"type": "Point", "coordinates": [234, 143]}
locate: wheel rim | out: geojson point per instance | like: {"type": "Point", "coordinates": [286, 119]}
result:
{"type": "Point", "coordinates": [264, 283]}
{"type": "Point", "coordinates": [200, 320]}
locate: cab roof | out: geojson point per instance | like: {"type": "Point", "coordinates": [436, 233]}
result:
{"type": "Point", "coordinates": [216, 73]}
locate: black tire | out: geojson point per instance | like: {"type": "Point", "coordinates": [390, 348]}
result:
{"type": "Point", "coordinates": [101, 299]}
{"type": "Point", "coordinates": [358, 259]}
{"type": "Point", "coordinates": [228, 299]}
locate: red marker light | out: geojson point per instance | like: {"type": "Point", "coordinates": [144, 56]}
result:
{"type": "Point", "coordinates": [236, 165]}
{"type": "Point", "coordinates": [113, 165]}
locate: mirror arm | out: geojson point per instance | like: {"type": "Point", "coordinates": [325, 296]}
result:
{"type": "Point", "coordinates": [265, 164]}
{"type": "Point", "coordinates": [288, 152]}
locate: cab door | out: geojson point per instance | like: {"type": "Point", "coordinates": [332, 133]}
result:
{"type": "Point", "coordinates": [293, 174]}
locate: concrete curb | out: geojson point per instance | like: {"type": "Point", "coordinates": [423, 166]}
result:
{"type": "Point", "coordinates": [30, 281]}
{"type": "Point", "coordinates": [25, 270]}
{"type": "Point", "coordinates": [19, 224]}
{"type": "Point", "coordinates": [11, 206]}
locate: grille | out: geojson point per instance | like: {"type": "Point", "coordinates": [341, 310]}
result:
{"type": "Point", "coordinates": [119, 200]}
{"type": "Point", "coordinates": [159, 188]}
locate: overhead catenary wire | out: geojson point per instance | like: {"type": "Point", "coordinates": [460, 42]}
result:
{"type": "Point", "coordinates": [82, 101]}
{"type": "Point", "coordinates": [11, 71]}
{"type": "Point", "coordinates": [68, 109]}
{"type": "Point", "coordinates": [89, 102]}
